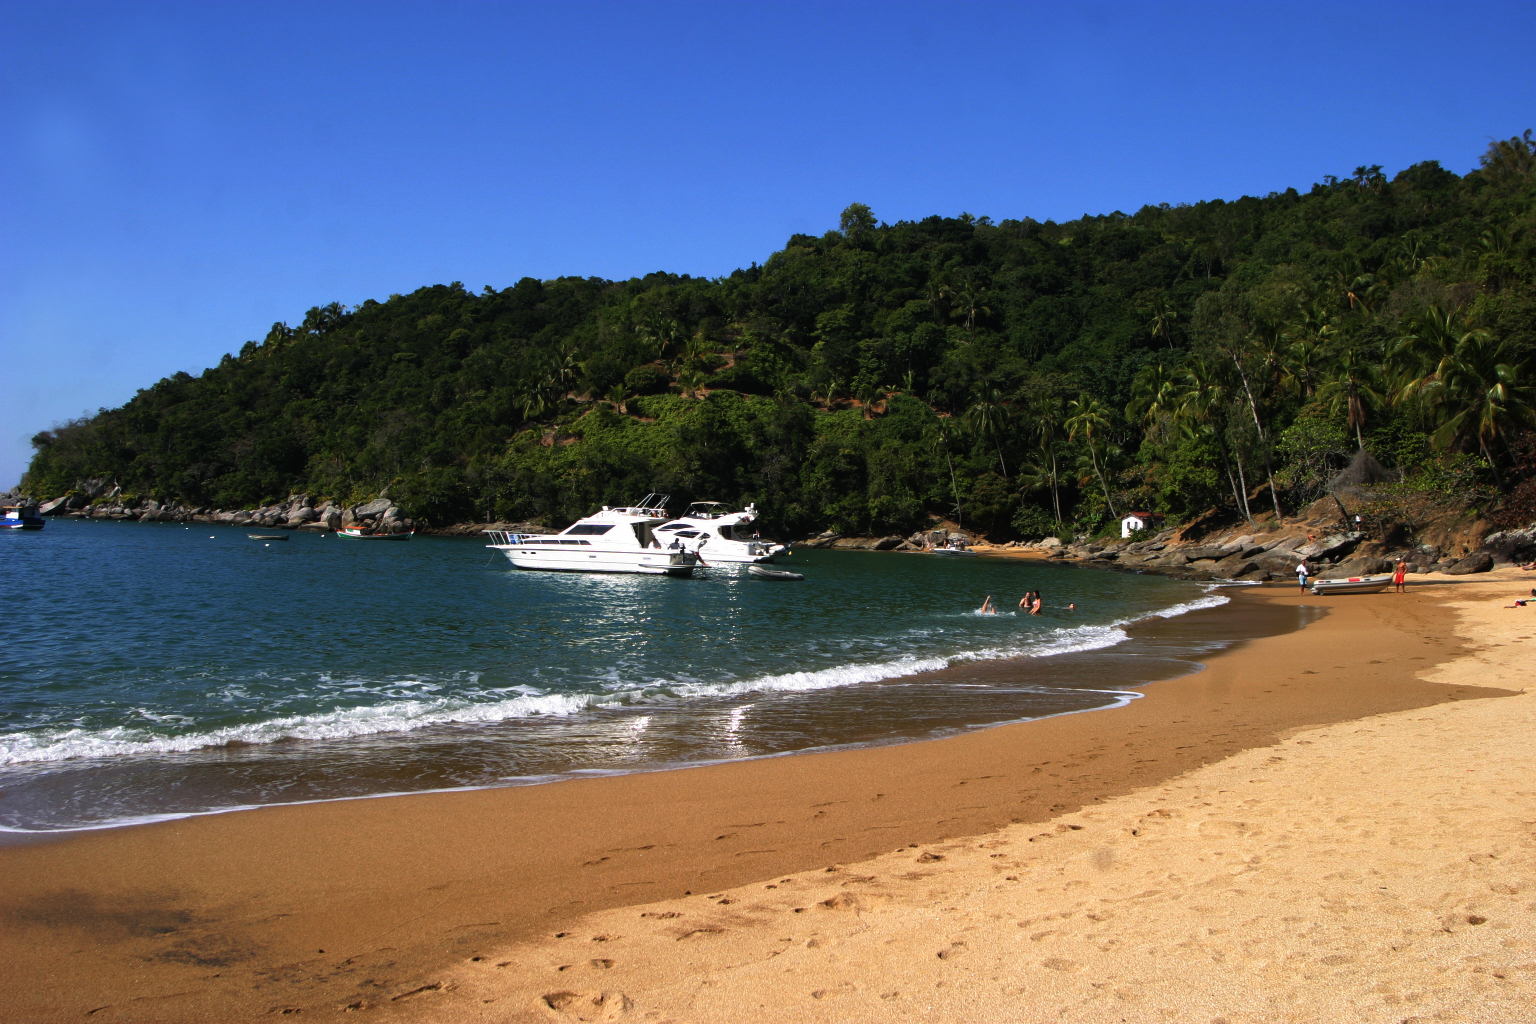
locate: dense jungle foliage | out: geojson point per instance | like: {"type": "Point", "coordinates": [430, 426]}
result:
{"type": "Point", "coordinates": [1024, 377]}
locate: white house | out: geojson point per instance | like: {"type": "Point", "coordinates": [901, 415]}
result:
{"type": "Point", "coordinates": [1131, 522]}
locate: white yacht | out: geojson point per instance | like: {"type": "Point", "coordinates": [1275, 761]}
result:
{"type": "Point", "coordinates": [613, 540]}
{"type": "Point", "coordinates": [720, 535]}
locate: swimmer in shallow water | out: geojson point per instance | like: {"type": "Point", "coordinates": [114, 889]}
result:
{"type": "Point", "coordinates": [1028, 600]}
{"type": "Point", "coordinates": [986, 607]}
{"type": "Point", "coordinates": [1034, 609]}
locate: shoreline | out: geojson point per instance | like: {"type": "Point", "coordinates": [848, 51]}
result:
{"type": "Point", "coordinates": [245, 895]}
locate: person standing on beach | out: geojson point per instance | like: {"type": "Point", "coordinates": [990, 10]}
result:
{"type": "Point", "coordinates": [1399, 574]}
{"type": "Point", "coordinates": [1301, 574]}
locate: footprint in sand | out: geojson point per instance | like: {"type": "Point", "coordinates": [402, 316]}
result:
{"type": "Point", "coordinates": [588, 1006]}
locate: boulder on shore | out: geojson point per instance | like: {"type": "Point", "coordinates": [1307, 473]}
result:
{"type": "Point", "coordinates": [1333, 546]}
{"type": "Point", "coordinates": [1505, 546]}
{"type": "Point", "coordinates": [1477, 561]}
{"type": "Point", "coordinates": [1360, 565]}
{"type": "Point", "coordinates": [371, 509]}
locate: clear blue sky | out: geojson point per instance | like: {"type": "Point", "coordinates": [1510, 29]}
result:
{"type": "Point", "coordinates": [176, 177]}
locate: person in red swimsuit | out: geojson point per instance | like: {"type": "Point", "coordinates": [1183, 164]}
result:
{"type": "Point", "coordinates": [1399, 575]}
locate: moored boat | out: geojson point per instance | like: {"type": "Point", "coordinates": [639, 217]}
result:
{"type": "Point", "coordinates": [721, 535]}
{"type": "Point", "coordinates": [267, 536]}
{"type": "Point", "coordinates": [369, 533]}
{"type": "Point", "coordinates": [612, 540]}
{"type": "Point", "coordinates": [1353, 585]}
{"type": "Point", "coordinates": [21, 517]}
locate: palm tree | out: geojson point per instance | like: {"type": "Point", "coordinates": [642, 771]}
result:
{"type": "Point", "coordinates": [1477, 392]}
{"type": "Point", "coordinates": [1087, 416]}
{"type": "Point", "coordinates": [954, 484]}
{"type": "Point", "coordinates": [1045, 417]}
{"type": "Point", "coordinates": [690, 380]}
{"type": "Point", "coordinates": [1353, 386]}
{"type": "Point", "coordinates": [1310, 335]}
{"type": "Point", "coordinates": [937, 293]}
{"type": "Point", "coordinates": [1155, 390]}
{"type": "Point", "coordinates": [618, 397]}
{"type": "Point", "coordinates": [1164, 322]}
{"type": "Point", "coordinates": [968, 303]}
{"type": "Point", "coordinates": [660, 333]}
{"type": "Point", "coordinates": [1202, 399]}
{"type": "Point", "coordinates": [988, 418]}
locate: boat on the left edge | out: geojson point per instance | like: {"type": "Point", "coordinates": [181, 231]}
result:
{"type": "Point", "coordinates": [613, 540]}
{"type": "Point", "coordinates": [369, 533]}
{"type": "Point", "coordinates": [21, 517]}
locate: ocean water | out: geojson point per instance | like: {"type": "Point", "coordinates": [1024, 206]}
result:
{"type": "Point", "coordinates": [158, 670]}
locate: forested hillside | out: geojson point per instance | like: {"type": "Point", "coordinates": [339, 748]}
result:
{"type": "Point", "coordinates": [1026, 377]}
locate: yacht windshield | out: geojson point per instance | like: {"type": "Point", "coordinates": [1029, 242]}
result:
{"type": "Point", "coordinates": [588, 530]}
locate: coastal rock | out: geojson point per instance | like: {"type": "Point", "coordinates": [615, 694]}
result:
{"type": "Point", "coordinates": [887, 543]}
{"type": "Point", "coordinates": [314, 527]}
{"type": "Point", "coordinates": [372, 509]}
{"type": "Point", "coordinates": [1361, 565]}
{"type": "Point", "coordinates": [302, 516]}
{"type": "Point", "coordinates": [1477, 561]}
{"type": "Point", "coordinates": [1203, 552]}
{"type": "Point", "coordinates": [1333, 546]}
{"type": "Point", "coordinates": [1236, 565]}
{"type": "Point", "coordinates": [331, 519]}
{"type": "Point", "coordinates": [1506, 546]}
{"type": "Point", "coordinates": [56, 507]}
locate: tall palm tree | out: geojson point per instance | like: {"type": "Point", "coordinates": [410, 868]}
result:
{"type": "Point", "coordinates": [1354, 386]}
{"type": "Point", "coordinates": [1088, 417]}
{"type": "Point", "coordinates": [969, 301]}
{"type": "Point", "coordinates": [937, 293]}
{"type": "Point", "coordinates": [988, 418]}
{"type": "Point", "coordinates": [1155, 390]}
{"type": "Point", "coordinates": [1477, 392]}
{"type": "Point", "coordinates": [1203, 398]}
{"type": "Point", "coordinates": [1045, 418]}
{"type": "Point", "coordinates": [1164, 322]}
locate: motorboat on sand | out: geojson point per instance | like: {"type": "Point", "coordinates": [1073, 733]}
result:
{"type": "Point", "coordinates": [612, 540]}
{"type": "Point", "coordinates": [1353, 585]}
{"type": "Point", "coordinates": [720, 535]}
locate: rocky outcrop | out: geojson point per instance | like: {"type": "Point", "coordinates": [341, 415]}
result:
{"type": "Point", "coordinates": [1332, 547]}
{"type": "Point", "coordinates": [1505, 546]}
{"type": "Point", "coordinates": [1360, 565]}
{"type": "Point", "coordinates": [1477, 561]}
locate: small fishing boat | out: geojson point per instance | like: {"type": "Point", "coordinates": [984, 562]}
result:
{"type": "Point", "coordinates": [21, 517]}
{"type": "Point", "coordinates": [953, 552]}
{"type": "Point", "coordinates": [369, 533]}
{"type": "Point", "coordinates": [268, 536]}
{"type": "Point", "coordinates": [1353, 585]}
{"type": "Point", "coordinates": [762, 572]}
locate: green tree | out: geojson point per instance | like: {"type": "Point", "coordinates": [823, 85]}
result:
{"type": "Point", "coordinates": [1087, 417]}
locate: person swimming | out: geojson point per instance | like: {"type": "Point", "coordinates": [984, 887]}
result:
{"type": "Point", "coordinates": [1034, 609]}
{"type": "Point", "coordinates": [1028, 600]}
{"type": "Point", "coordinates": [987, 607]}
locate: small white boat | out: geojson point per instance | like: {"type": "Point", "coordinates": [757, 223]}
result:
{"type": "Point", "coordinates": [762, 572]}
{"type": "Point", "coordinates": [1353, 585]}
{"type": "Point", "coordinates": [369, 533]}
{"type": "Point", "coordinates": [613, 540]}
{"type": "Point", "coordinates": [729, 536]}
{"type": "Point", "coordinates": [953, 552]}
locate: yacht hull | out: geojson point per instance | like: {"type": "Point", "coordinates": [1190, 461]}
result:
{"type": "Point", "coordinates": [658, 563]}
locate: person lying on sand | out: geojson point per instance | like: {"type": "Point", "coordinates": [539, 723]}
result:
{"type": "Point", "coordinates": [1529, 565]}
{"type": "Point", "coordinates": [1519, 604]}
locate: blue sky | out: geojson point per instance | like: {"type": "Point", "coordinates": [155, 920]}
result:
{"type": "Point", "coordinates": [176, 177]}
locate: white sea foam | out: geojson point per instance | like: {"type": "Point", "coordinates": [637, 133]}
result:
{"type": "Point", "coordinates": [486, 708]}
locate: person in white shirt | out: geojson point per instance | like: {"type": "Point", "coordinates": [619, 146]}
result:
{"type": "Point", "coordinates": [1301, 574]}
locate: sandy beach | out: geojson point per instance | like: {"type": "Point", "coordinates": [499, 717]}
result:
{"type": "Point", "coordinates": [1333, 824]}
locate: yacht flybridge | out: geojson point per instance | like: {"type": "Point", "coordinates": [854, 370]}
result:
{"type": "Point", "coordinates": [613, 540]}
{"type": "Point", "coordinates": [721, 535]}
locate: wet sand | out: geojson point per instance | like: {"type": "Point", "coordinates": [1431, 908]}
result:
{"type": "Point", "coordinates": [379, 907]}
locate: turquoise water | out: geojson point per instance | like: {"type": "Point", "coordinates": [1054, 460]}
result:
{"type": "Point", "coordinates": [151, 670]}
